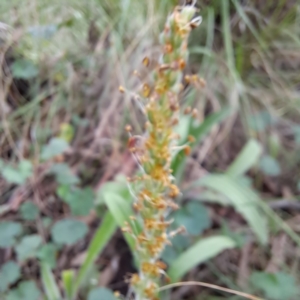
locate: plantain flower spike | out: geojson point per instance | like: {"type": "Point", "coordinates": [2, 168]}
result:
{"type": "Point", "coordinates": [154, 189]}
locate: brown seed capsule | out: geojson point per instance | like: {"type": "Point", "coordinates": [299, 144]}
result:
{"type": "Point", "coordinates": [163, 67]}
{"type": "Point", "coordinates": [181, 64]}
{"type": "Point", "coordinates": [175, 122]}
{"type": "Point", "coordinates": [191, 139]}
{"type": "Point", "coordinates": [146, 90]}
{"type": "Point", "coordinates": [168, 48]}
{"type": "Point", "coordinates": [146, 61]}
{"type": "Point", "coordinates": [187, 78]}
{"type": "Point", "coordinates": [121, 89]}
{"type": "Point", "coordinates": [187, 150]}
{"type": "Point", "coordinates": [202, 82]}
{"type": "Point", "coordinates": [187, 110]}
{"type": "Point", "coordinates": [195, 113]}
{"type": "Point", "coordinates": [131, 143]}
{"type": "Point", "coordinates": [128, 128]}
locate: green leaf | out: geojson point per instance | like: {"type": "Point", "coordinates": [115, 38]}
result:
{"type": "Point", "coordinates": [121, 211]}
{"type": "Point", "coordinates": [198, 132]}
{"type": "Point", "coordinates": [277, 286]}
{"type": "Point", "coordinates": [25, 69]}
{"type": "Point", "coordinates": [46, 222]}
{"type": "Point", "coordinates": [26, 290]}
{"type": "Point", "coordinates": [28, 247]}
{"type": "Point", "coordinates": [194, 217]}
{"type": "Point", "coordinates": [68, 231]}
{"type": "Point", "coordinates": [9, 231]}
{"type": "Point", "coordinates": [13, 175]}
{"type": "Point", "coordinates": [244, 200]}
{"type": "Point", "coordinates": [81, 201]}
{"type": "Point", "coordinates": [179, 244]}
{"type": "Point", "coordinates": [63, 174]}
{"type": "Point", "coordinates": [261, 121]}
{"type": "Point", "coordinates": [101, 293]}
{"type": "Point", "coordinates": [68, 278]}
{"type": "Point", "coordinates": [11, 271]}
{"type": "Point", "coordinates": [25, 168]}
{"type": "Point", "coordinates": [9, 274]}
{"type": "Point", "coordinates": [119, 186]}
{"type": "Point", "coordinates": [246, 159]}
{"type": "Point", "coordinates": [47, 254]}
{"type": "Point", "coordinates": [56, 146]}
{"type": "Point", "coordinates": [50, 286]}
{"type": "Point", "coordinates": [29, 211]}
{"type": "Point", "coordinates": [103, 234]}
{"type": "Point", "coordinates": [200, 252]}
{"type": "Point", "coordinates": [269, 166]}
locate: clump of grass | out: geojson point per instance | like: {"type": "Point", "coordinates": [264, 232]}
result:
{"type": "Point", "coordinates": [154, 189]}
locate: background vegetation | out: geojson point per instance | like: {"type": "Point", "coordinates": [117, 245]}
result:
{"type": "Point", "coordinates": [64, 156]}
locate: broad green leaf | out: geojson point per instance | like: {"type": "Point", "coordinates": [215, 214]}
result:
{"type": "Point", "coordinates": [11, 271]}
{"type": "Point", "coordinates": [47, 254]}
{"type": "Point", "coordinates": [200, 252]}
{"type": "Point", "coordinates": [13, 175]}
{"type": "Point", "coordinates": [29, 211]}
{"type": "Point", "coordinates": [9, 274]}
{"type": "Point", "coordinates": [50, 286]}
{"type": "Point", "coordinates": [46, 222]}
{"type": "Point", "coordinates": [269, 166]}
{"type": "Point", "coordinates": [101, 293]}
{"type": "Point", "coordinates": [198, 132]}
{"type": "Point", "coordinates": [121, 211]}
{"type": "Point", "coordinates": [28, 247]}
{"type": "Point", "coordinates": [194, 217]}
{"type": "Point", "coordinates": [9, 231]}
{"type": "Point", "coordinates": [63, 174]}
{"type": "Point", "coordinates": [244, 200]}
{"type": "Point", "coordinates": [81, 201]}
{"type": "Point", "coordinates": [118, 186]}
{"type": "Point", "coordinates": [26, 290]}
{"type": "Point", "coordinates": [246, 159]}
{"type": "Point", "coordinates": [261, 121]}
{"type": "Point", "coordinates": [24, 69]}
{"type": "Point", "coordinates": [276, 286]}
{"type": "Point", "coordinates": [179, 244]}
{"type": "Point", "coordinates": [68, 278]}
{"type": "Point", "coordinates": [25, 168]}
{"type": "Point", "coordinates": [102, 236]}
{"type": "Point", "coordinates": [68, 231]}
{"type": "Point", "coordinates": [56, 146]}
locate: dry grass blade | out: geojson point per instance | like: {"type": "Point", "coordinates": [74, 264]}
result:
{"type": "Point", "coordinates": [211, 286]}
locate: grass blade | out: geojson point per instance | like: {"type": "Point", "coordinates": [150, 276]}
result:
{"type": "Point", "coordinates": [104, 233]}
{"type": "Point", "coordinates": [198, 253]}
{"type": "Point", "coordinates": [227, 36]}
{"type": "Point", "coordinates": [244, 200]}
{"type": "Point", "coordinates": [246, 159]}
{"type": "Point", "coordinates": [50, 286]}
{"type": "Point", "coordinates": [68, 277]}
{"type": "Point", "coordinates": [121, 211]}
